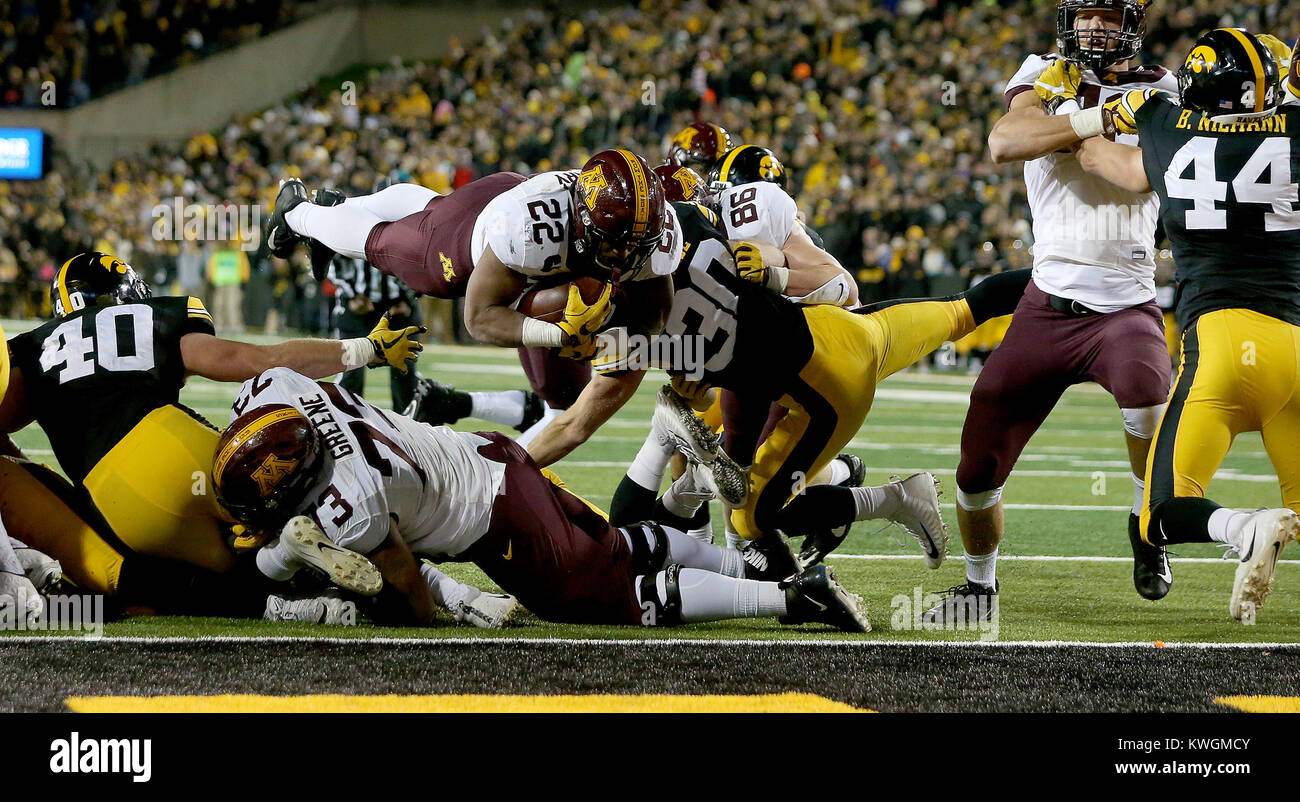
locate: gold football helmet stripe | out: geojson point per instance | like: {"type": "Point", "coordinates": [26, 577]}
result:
{"type": "Point", "coordinates": [641, 186]}
{"type": "Point", "coordinates": [1252, 51]}
{"type": "Point", "coordinates": [242, 436]}
{"type": "Point", "coordinates": [61, 281]}
{"type": "Point", "coordinates": [724, 171]}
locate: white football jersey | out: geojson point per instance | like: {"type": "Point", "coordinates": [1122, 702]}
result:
{"type": "Point", "coordinates": [384, 468]}
{"type": "Point", "coordinates": [528, 229]}
{"type": "Point", "coordinates": [760, 212]}
{"type": "Point", "coordinates": [1093, 241]}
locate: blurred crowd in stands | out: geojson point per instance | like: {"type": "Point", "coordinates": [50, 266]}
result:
{"type": "Point", "coordinates": [84, 48]}
{"type": "Point", "coordinates": [880, 112]}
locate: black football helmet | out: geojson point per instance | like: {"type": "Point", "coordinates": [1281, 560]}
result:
{"type": "Point", "coordinates": [1230, 73]}
{"type": "Point", "coordinates": [94, 279]}
{"type": "Point", "coordinates": [1099, 49]}
{"type": "Point", "coordinates": [266, 461]}
{"type": "Point", "coordinates": [746, 165]}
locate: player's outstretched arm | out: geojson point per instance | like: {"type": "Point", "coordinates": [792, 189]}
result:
{"type": "Point", "coordinates": [1119, 164]}
{"type": "Point", "coordinates": [401, 572]}
{"type": "Point", "coordinates": [1028, 132]}
{"type": "Point", "coordinates": [226, 360]}
{"type": "Point", "coordinates": [814, 272]}
{"type": "Point", "coordinates": [599, 400]}
{"type": "Point", "coordinates": [492, 289]}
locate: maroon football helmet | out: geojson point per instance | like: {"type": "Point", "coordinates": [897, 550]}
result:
{"type": "Point", "coordinates": [619, 214]}
{"type": "Point", "coordinates": [266, 461]}
{"type": "Point", "coordinates": [682, 184]}
{"type": "Point", "coordinates": [698, 146]}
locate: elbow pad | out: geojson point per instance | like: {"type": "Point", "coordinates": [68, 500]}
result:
{"type": "Point", "coordinates": [835, 292]}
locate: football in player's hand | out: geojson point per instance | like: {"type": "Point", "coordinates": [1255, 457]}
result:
{"type": "Point", "coordinates": [548, 303]}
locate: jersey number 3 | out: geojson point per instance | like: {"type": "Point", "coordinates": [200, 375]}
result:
{"type": "Point", "coordinates": [1203, 188]}
{"type": "Point", "coordinates": [75, 353]}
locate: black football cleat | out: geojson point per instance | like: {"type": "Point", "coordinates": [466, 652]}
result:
{"type": "Point", "coordinates": [769, 559]}
{"type": "Point", "coordinates": [279, 238]}
{"type": "Point", "coordinates": [534, 409]}
{"type": "Point", "coordinates": [857, 470]}
{"type": "Point", "coordinates": [1152, 574]}
{"type": "Point", "coordinates": [819, 544]}
{"type": "Point", "coordinates": [964, 605]}
{"type": "Point", "coordinates": [438, 404]}
{"type": "Point", "coordinates": [814, 596]}
{"type": "Point", "coordinates": [322, 255]}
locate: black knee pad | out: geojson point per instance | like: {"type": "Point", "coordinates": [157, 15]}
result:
{"type": "Point", "coordinates": [647, 558]}
{"type": "Point", "coordinates": [666, 612]}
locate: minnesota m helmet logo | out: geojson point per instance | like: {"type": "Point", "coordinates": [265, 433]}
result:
{"type": "Point", "coordinates": [271, 472]}
{"type": "Point", "coordinates": [590, 183]}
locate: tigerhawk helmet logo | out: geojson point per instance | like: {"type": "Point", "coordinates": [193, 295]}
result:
{"type": "Point", "coordinates": [271, 472]}
{"type": "Point", "coordinates": [590, 184]}
{"type": "Point", "coordinates": [768, 168]}
{"type": "Point", "coordinates": [1201, 59]}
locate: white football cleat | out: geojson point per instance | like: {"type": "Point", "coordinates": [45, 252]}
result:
{"type": "Point", "coordinates": [486, 610]}
{"type": "Point", "coordinates": [688, 433]}
{"type": "Point", "coordinates": [1263, 537]}
{"type": "Point", "coordinates": [304, 540]}
{"type": "Point", "coordinates": [317, 610]}
{"type": "Point", "coordinates": [19, 594]}
{"type": "Point", "coordinates": [43, 571]}
{"type": "Point", "coordinates": [918, 513]}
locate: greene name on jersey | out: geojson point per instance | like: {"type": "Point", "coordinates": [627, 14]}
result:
{"type": "Point", "coordinates": [1230, 204]}
{"type": "Point", "coordinates": [92, 376]}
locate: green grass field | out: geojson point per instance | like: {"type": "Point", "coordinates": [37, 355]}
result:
{"type": "Point", "coordinates": [1065, 570]}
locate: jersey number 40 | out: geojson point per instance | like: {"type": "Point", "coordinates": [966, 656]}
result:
{"type": "Point", "coordinates": [75, 353]}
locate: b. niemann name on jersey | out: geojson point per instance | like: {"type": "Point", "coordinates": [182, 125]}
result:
{"type": "Point", "coordinates": [1275, 124]}
{"type": "Point", "coordinates": [318, 412]}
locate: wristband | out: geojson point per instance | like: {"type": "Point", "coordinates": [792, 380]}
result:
{"type": "Point", "coordinates": [539, 332]}
{"type": "Point", "coordinates": [778, 278]}
{"type": "Point", "coordinates": [357, 352]}
{"type": "Point", "coordinates": [1088, 123]}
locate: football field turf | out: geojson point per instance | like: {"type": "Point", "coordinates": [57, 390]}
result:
{"type": "Point", "coordinates": [1065, 565]}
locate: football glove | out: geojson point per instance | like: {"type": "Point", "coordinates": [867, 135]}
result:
{"type": "Point", "coordinates": [1058, 83]}
{"type": "Point", "coordinates": [397, 348]}
{"type": "Point", "coordinates": [698, 394]}
{"type": "Point", "coordinates": [751, 267]}
{"type": "Point", "coordinates": [1122, 109]}
{"type": "Point", "coordinates": [582, 322]}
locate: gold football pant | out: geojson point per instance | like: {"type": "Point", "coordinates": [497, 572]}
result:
{"type": "Point", "coordinates": [1240, 372]}
{"type": "Point", "coordinates": [833, 393]}
{"type": "Point", "coordinates": [154, 489]}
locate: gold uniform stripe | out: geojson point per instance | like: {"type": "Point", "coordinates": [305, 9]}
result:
{"type": "Point", "coordinates": [725, 171]}
{"type": "Point", "coordinates": [1260, 88]}
{"type": "Point", "coordinates": [248, 431]}
{"type": "Point", "coordinates": [641, 186]}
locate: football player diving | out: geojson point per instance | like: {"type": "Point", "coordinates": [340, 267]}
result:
{"type": "Point", "coordinates": [394, 489]}
{"type": "Point", "coordinates": [496, 237]}
{"type": "Point", "coordinates": [1223, 161]}
{"type": "Point", "coordinates": [138, 521]}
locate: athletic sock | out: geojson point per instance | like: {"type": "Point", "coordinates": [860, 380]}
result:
{"type": "Point", "coordinates": [276, 563]}
{"type": "Point", "coordinates": [839, 472]}
{"type": "Point", "coordinates": [1225, 526]}
{"type": "Point", "coordinates": [706, 596]}
{"type": "Point", "coordinates": [1182, 520]}
{"type": "Point", "coordinates": [9, 562]}
{"type": "Point", "coordinates": [549, 415]}
{"type": "Point", "coordinates": [505, 407]}
{"type": "Point", "coordinates": [1139, 489]}
{"type": "Point", "coordinates": [873, 502]}
{"type": "Point", "coordinates": [982, 568]}
{"type": "Point", "coordinates": [681, 499]}
{"type": "Point", "coordinates": [632, 504]}
{"type": "Point", "coordinates": [651, 463]}
{"type": "Point", "coordinates": [700, 526]}
{"type": "Point", "coordinates": [997, 295]}
{"type": "Point", "coordinates": [343, 229]}
{"type": "Point", "coordinates": [394, 202]}
{"type": "Point", "coordinates": [446, 591]}
{"type": "Point", "coordinates": [688, 552]}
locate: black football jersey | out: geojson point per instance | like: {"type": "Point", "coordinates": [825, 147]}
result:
{"type": "Point", "coordinates": [753, 338]}
{"type": "Point", "coordinates": [92, 376]}
{"type": "Point", "coordinates": [1230, 205]}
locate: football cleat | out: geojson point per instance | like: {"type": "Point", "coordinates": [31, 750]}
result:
{"type": "Point", "coordinates": [317, 610]}
{"type": "Point", "coordinates": [692, 487]}
{"type": "Point", "coordinates": [351, 571]}
{"type": "Point", "coordinates": [690, 435]}
{"type": "Point", "coordinates": [279, 238]}
{"type": "Point", "coordinates": [486, 610]}
{"type": "Point", "coordinates": [534, 409]}
{"type": "Point", "coordinates": [918, 513]}
{"type": "Point", "coordinates": [20, 597]}
{"type": "Point", "coordinates": [769, 559]}
{"type": "Point", "coordinates": [964, 605]}
{"type": "Point", "coordinates": [819, 544]}
{"type": "Point", "coordinates": [322, 254]}
{"type": "Point", "coordinates": [815, 596]}
{"type": "Point", "coordinates": [1263, 537]}
{"type": "Point", "coordinates": [438, 404]}
{"type": "Point", "coordinates": [857, 470]}
{"type": "Point", "coordinates": [44, 571]}
{"type": "Point", "coordinates": [1152, 574]}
